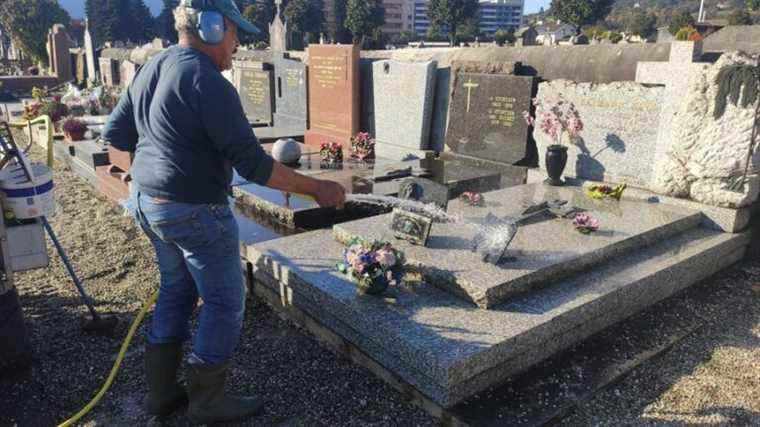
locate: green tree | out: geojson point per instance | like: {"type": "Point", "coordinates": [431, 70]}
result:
{"type": "Point", "coordinates": [95, 11]}
{"type": "Point", "coordinates": [680, 20]}
{"type": "Point", "coordinates": [739, 17]}
{"type": "Point", "coordinates": [753, 5]}
{"type": "Point", "coordinates": [451, 14]}
{"type": "Point", "coordinates": [363, 18]}
{"type": "Point", "coordinates": [166, 21]}
{"type": "Point", "coordinates": [28, 22]}
{"type": "Point", "coordinates": [434, 34]}
{"type": "Point", "coordinates": [144, 28]}
{"type": "Point", "coordinates": [306, 19]}
{"type": "Point", "coordinates": [341, 33]}
{"type": "Point", "coordinates": [640, 23]}
{"type": "Point", "coordinates": [503, 36]}
{"type": "Point", "coordinates": [260, 14]}
{"type": "Point", "coordinates": [581, 12]}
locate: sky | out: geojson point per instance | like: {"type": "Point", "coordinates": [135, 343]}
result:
{"type": "Point", "coordinates": [76, 7]}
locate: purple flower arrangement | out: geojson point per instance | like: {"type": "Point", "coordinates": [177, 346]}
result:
{"type": "Point", "coordinates": [585, 223]}
{"type": "Point", "coordinates": [373, 265]}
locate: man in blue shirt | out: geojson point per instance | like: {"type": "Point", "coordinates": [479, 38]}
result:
{"type": "Point", "coordinates": [185, 124]}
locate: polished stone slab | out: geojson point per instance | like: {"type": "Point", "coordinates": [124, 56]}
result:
{"type": "Point", "coordinates": [448, 349]}
{"type": "Point", "coordinates": [541, 251]}
{"type": "Point", "coordinates": [91, 153]}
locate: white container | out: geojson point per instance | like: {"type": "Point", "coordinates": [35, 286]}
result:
{"type": "Point", "coordinates": [27, 246]}
{"type": "Point", "coordinates": [22, 197]}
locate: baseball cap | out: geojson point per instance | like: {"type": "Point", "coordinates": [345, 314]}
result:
{"type": "Point", "coordinates": [229, 9]}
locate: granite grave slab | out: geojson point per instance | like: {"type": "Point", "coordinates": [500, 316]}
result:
{"type": "Point", "coordinates": [92, 153]}
{"type": "Point", "coordinates": [448, 350]}
{"type": "Point", "coordinates": [540, 252]}
{"type": "Point", "coordinates": [485, 116]}
{"type": "Point", "coordinates": [403, 95]}
{"type": "Point", "coordinates": [333, 94]}
{"type": "Point", "coordinates": [255, 84]}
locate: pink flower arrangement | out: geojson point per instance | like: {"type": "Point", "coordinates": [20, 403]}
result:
{"type": "Point", "coordinates": [585, 224]}
{"type": "Point", "coordinates": [472, 198]}
{"type": "Point", "coordinates": [372, 265]}
{"type": "Point", "coordinates": [556, 119]}
{"type": "Point", "coordinates": [331, 152]}
{"type": "Point", "coordinates": [363, 146]}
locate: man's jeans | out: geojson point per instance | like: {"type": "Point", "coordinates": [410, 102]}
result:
{"type": "Point", "coordinates": [198, 253]}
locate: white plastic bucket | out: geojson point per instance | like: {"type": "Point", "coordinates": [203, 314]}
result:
{"type": "Point", "coordinates": [27, 199]}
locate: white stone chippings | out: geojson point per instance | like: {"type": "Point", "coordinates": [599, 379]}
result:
{"type": "Point", "coordinates": [702, 153]}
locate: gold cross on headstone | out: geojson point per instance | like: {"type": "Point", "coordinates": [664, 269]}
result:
{"type": "Point", "coordinates": [470, 86]}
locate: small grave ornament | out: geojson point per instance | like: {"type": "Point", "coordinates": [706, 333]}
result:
{"type": "Point", "coordinates": [410, 226]}
{"type": "Point", "coordinates": [425, 191]}
{"type": "Point", "coordinates": [286, 151]}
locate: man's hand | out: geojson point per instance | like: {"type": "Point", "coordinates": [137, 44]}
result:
{"type": "Point", "coordinates": [330, 194]}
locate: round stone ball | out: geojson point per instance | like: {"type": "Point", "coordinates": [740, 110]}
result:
{"type": "Point", "coordinates": [286, 151]}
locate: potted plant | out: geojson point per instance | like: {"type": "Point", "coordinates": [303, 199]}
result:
{"type": "Point", "coordinates": [363, 146]}
{"type": "Point", "coordinates": [74, 129]}
{"type": "Point", "coordinates": [556, 118]}
{"type": "Point", "coordinates": [372, 265]}
{"type": "Point", "coordinates": [739, 84]}
{"type": "Point", "coordinates": [331, 153]}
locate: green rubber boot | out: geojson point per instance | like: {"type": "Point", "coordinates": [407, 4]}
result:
{"type": "Point", "coordinates": [208, 403]}
{"type": "Point", "coordinates": [162, 363]}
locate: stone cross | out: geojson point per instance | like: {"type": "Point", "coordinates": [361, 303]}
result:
{"type": "Point", "coordinates": [470, 86]}
{"type": "Point", "coordinates": [676, 75]}
{"type": "Point", "coordinates": [89, 51]}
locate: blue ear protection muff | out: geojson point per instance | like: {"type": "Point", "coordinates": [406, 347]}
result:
{"type": "Point", "coordinates": [211, 25]}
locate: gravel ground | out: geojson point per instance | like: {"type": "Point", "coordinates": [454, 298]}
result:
{"type": "Point", "coordinates": [713, 377]}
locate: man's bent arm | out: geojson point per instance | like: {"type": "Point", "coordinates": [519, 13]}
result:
{"type": "Point", "coordinates": [326, 193]}
{"type": "Point", "coordinates": [120, 130]}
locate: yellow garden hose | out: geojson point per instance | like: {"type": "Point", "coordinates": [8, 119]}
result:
{"type": "Point", "coordinates": [115, 369]}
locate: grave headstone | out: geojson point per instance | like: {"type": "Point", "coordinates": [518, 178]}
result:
{"type": "Point", "coordinates": [109, 71]}
{"type": "Point", "coordinates": [291, 94]}
{"type": "Point", "coordinates": [619, 137]}
{"type": "Point", "coordinates": [127, 71]}
{"type": "Point", "coordinates": [485, 116]}
{"type": "Point", "coordinates": [333, 94]}
{"type": "Point", "coordinates": [89, 51]}
{"type": "Point", "coordinates": [254, 82]}
{"type": "Point", "coordinates": [60, 59]}
{"type": "Point", "coordinates": [403, 94]}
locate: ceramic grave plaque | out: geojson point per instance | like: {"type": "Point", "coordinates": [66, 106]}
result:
{"type": "Point", "coordinates": [410, 226]}
{"type": "Point", "coordinates": [485, 116]}
{"type": "Point", "coordinates": [333, 94]}
{"type": "Point", "coordinates": [253, 81]}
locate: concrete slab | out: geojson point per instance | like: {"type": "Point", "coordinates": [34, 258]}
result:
{"type": "Point", "coordinates": [449, 350]}
{"type": "Point", "coordinates": [541, 251]}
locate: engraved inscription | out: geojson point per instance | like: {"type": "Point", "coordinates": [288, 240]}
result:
{"type": "Point", "coordinates": [501, 111]}
{"type": "Point", "coordinates": [292, 77]}
{"type": "Point", "coordinates": [255, 86]}
{"type": "Point", "coordinates": [329, 71]}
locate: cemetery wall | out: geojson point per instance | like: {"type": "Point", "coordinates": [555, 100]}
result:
{"type": "Point", "coordinates": [581, 63]}
{"type": "Point", "coordinates": [26, 83]}
{"type": "Point", "coordinates": [745, 38]}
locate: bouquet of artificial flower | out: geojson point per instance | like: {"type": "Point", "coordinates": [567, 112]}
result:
{"type": "Point", "coordinates": [331, 152]}
{"type": "Point", "coordinates": [473, 199]}
{"type": "Point", "coordinates": [373, 265]}
{"type": "Point", "coordinates": [585, 224]}
{"type": "Point", "coordinates": [556, 118]}
{"type": "Point", "coordinates": [363, 146]}
{"type": "Point", "coordinates": [74, 129]}
{"type": "Point", "coordinates": [605, 191]}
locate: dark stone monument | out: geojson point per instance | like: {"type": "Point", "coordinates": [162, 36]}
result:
{"type": "Point", "coordinates": [485, 116]}
{"type": "Point", "coordinates": [255, 85]}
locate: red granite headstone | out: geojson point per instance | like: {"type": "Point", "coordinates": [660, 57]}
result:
{"type": "Point", "coordinates": [333, 94]}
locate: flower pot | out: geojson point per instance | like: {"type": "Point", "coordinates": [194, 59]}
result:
{"type": "Point", "coordinates": [376, 287]}
{"type": "Point", "coordinates": [75, 136]}
{"type": "Point", "coordinates": [556, 160]}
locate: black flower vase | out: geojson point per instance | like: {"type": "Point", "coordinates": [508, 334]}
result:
{"type": "Point", "coordinates": [376, 287]}
{"type": "Point", "coordinates": [556, 160]}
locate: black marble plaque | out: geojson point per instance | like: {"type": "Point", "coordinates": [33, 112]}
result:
{"type": "Point", "coordinates": [411, 227]}
{"type": "Point", "coordinates": [485, 116]}
{"type": "Point", "coordinates": [255, 85]}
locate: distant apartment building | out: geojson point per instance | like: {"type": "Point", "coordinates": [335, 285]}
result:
{"type": "Point", "coordinates": [398, 16]}
{"type": "Point", "coordinates": [493, 15]}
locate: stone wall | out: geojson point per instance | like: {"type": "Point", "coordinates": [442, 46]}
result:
{"type": "Point", "coordinates": [582, 63]}
{"type": "Point", "coordinates": [745, 38]}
